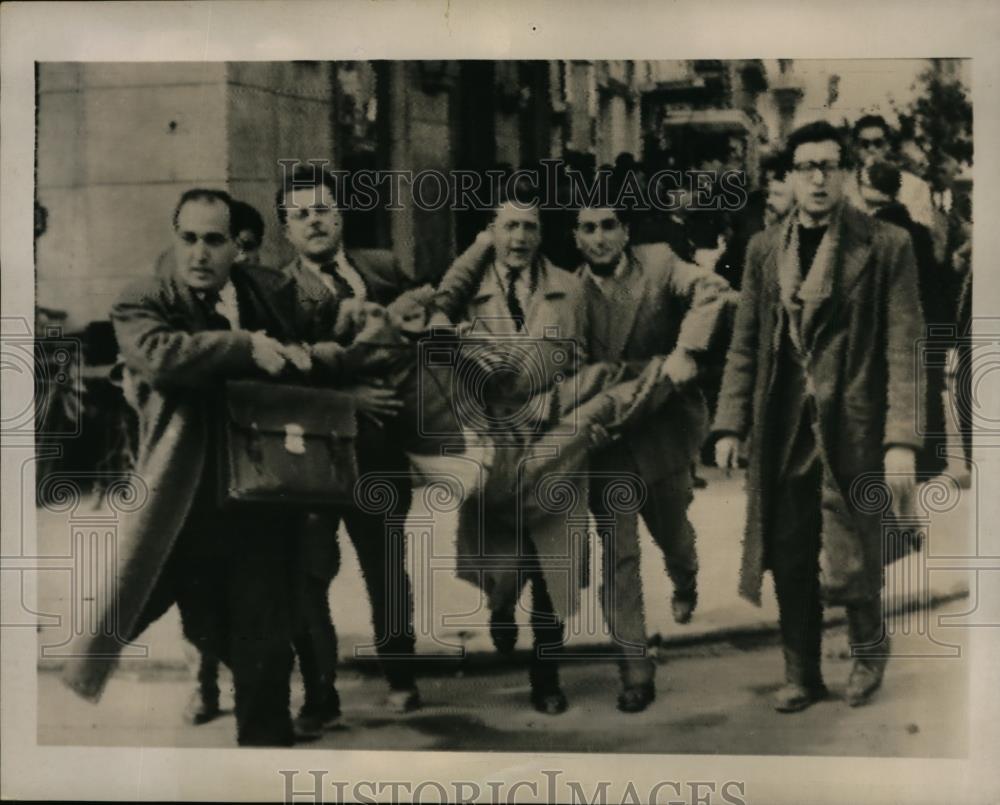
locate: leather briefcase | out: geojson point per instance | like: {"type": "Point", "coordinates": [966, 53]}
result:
{"type": "Point", "coordinates": [288, 445]}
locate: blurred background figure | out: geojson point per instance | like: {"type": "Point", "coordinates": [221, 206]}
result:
{"type": "Point", "coordinates": [250, 226]}
{"type": "Point", "coordinates": [880, 188]}
{"type": "Point", "coordinates": [872, 139]}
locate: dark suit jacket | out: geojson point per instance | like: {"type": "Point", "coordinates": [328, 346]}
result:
{"type": "Point", "coordinates": [177, 364]}
{"type": "Point", "coordinates": [384, 278]}
{"type": "Point", "coordinates": [660, 303]}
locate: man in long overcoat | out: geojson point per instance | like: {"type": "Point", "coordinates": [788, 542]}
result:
{"type": "Point", "coordinates": [822, 378]}
{"type": "Point", "coordinates": [230, 572]}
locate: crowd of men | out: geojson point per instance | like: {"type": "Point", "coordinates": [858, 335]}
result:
{"type": "Point", "coordinates": [820, 388]}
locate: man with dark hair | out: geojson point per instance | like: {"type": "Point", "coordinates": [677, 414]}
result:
{"type": "Point", "coordinates": [872, 139]}
{"type": "Point", "coordinates": [503, 287]}
{"type": "Point", "coordinates": [249, 227]}
{"type": "Point", "coordinates": [821, 376]}
{"type": "Point", "coordinates": [322, 270]}
{"type": "Point", "coordinates": [229, 572]}
{"type": "Point", "coordinates": [248, 232]}
{"type": "Point", "coordinates": [880, 184]}
{"type": "Point", "coordinates": [774, 170]}
{"type": "Point", "coordinates": [644, 302]}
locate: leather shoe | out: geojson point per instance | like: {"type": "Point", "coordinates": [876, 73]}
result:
{"type": "Point", "coordinates": [201, 709]}
{"type": "Point", "coordinates": [312, 721]}
{"type": "Point", "coordinates": [791, 698]}
{"type": "Point", "coordinates": [551, 703]}
{"type": "Point", "coordinates": [636, 698]}
{"type": "Point", "coordinates": [682, 608]}
{"type": "Point", "coordinates": [865, 679]}
{"type": "Point", "coordinates": [403, 701]}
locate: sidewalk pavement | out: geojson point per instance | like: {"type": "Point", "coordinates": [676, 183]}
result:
{"type": "Point", "coordinates": [712, 698]}
{"type": "Point", "coordinates": [450, 615]}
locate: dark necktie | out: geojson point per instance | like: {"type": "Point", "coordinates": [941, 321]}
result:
{"type": "Point", "coordinates": [343, 287]}
{"type": "Point", "coordinates": [215, 320]}
{"type": "Point", "coordinates": [513, 303]}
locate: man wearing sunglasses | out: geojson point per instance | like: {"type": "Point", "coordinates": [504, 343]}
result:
{"type": "Point", "coordinates": [873, 143]}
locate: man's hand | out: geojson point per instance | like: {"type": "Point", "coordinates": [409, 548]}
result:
{"type": "Point", "coordinates": [267, 353]}
{"type": "Point", "coordinates": [375, 402]}
{"type": "Point", "coordinates": [901, 477]}
{"type": "Point", "coordinates": [298, 356]}
{"type": "Point", "coordinates": [680, 367]}
{"type": "Point", "coordinates": [599, 436]}
{"type": "Point", "coordinates": [350, 317]}
{"type": "Point", "coordinates": [727, 454]}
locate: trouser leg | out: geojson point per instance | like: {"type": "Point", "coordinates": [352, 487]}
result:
{"type": "Point", "coordinates": [866, 628]}
{"type": "Point", "coordinates": [548, 635]}
{"type": "Point", "coordinates": [621, 593]}
{"type": "Point", "coordinates": [208, 679]}
{"type": "Point", "coordinates": [963, 398]}
{"type": "Point", "coordinates": [793, 553]}
{"type": "Point", "coordinates": [259, 599]}
{"type": "Point", "coordinates": [381, 548]}
{"type": "Point", "coordinates": [869, 646]}
{"type": "Point", "coordinates": [315, 638]}
{"type": "Point", "coordinates": [665, 512]}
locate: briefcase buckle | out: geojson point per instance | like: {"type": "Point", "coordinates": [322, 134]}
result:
{"type": "Point", "coordinates": [295, 442]}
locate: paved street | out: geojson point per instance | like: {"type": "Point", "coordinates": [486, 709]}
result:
{"type": "Point", "coordinates": [714, 679]}
{"type": "Point", "coordinates": [711, 699]}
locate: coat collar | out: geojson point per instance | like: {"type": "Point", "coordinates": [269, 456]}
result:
{"type": "Point", "coordinates": [260, 288]}
{"type": "Point", "coordinates": [839, 265]}
{"type": "Point", "coordinates": [551, 284]}
{"type": "Point", "coordinates": [548, 284]}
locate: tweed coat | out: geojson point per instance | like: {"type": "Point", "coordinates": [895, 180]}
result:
{"type": "Point", "coordinates": [658, 303]}
{"type": "Point", "coordinates": [175, 365]}
{"type": "Point", "coordinates": [859, 335]}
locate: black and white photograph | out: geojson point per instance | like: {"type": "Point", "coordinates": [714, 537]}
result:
{"type": "Point", "coordinates": [619, 415]}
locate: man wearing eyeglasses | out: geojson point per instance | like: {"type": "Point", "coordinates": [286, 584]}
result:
{"type": "Point", "coordinates": [821, 377]}
{"type": "Point", "coordinates": [872, 143]}
{"type": "Point", "coordinates": [308, 207]}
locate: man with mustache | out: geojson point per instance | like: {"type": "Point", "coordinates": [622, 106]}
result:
{"type": "Point", "coordinates": [307, 208]}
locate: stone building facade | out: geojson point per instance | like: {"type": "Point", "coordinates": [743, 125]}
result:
{"type": "Point", "coordinates": [119, 142]}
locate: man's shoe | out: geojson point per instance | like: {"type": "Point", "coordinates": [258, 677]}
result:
{"type": "Point", "coordinates": [201, 709]}
{"type": "Point", "coordinates": [503, 630]}
{"type": "Point", "coordinates": [403, 701]}
{"type": "Point", "coordinates": [865, 679]}
{"type": "Point", "coordinates": [635, 699]}
{"type": "Point", "coordinates": [683, 607]}
{"type": "Point", "coordinates": [791, 698]}
{"type": "Point", "coordinates": [870, 646]}
{"type": "Point", "coordinates": [313, 721]}
{"type": "Point", "coordinates": [552, 702]}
